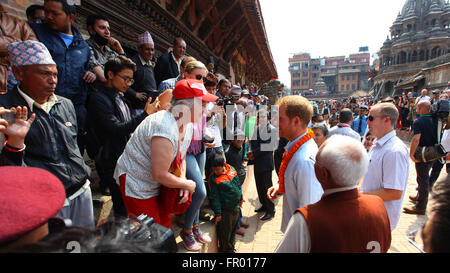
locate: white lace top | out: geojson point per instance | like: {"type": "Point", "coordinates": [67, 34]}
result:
{"type": "Point", "coordinates": [136, 159]}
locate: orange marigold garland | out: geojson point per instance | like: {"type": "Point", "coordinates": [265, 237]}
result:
{"type": "Point", "coordinates": [288, 157]}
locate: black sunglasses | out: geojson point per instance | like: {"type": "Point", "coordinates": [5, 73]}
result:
{"type": "Point", "coordinates": [372, 118]}
{"type": "Point", "coordinates": [200, 77]}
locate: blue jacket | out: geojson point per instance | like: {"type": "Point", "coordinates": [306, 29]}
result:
{"type": "Point", "coordinates": [72, 62]}
{"type": "Point", "coordinates": [355, 125]}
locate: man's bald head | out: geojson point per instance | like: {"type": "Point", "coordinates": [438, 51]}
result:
{"type": "Point", "coordinates": [424, 92]}
{"type": "Point", "coordinates": [424, 106]}
{"type": "Point", "coordinates": [345, 158]}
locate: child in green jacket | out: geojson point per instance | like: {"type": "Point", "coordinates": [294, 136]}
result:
{"type": "Point", "coordinates": [225, 199]}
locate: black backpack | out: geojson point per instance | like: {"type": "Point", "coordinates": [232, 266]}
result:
{"type": "Point", "coordinates": [441, 109]}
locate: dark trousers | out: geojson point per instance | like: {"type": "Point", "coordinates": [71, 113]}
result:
{"type": "Point", "coordinates": [226, 230]}
{"type": "Point", "coordinates": [405, 121]}
{"type": "Point", "coordinates": [435, 171]}
{"type": "Point", "coordinates": [263, 182]}
{"type": "Point", "coordinates": [423, 182]}
{"type": "Point", "coordinates": [106, 175]}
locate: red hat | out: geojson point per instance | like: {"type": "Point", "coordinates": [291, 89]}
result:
{"type": "Point", "coordinates": [29, 197]}
{"type": "Point", "coordinates": [192, 88]}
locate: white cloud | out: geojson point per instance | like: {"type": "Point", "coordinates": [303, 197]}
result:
{"type": "Point", "coordinates": [325, 27]}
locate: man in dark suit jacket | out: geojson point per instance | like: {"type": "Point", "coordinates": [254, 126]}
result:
{"type": "Point", "coordinates": [262, 156]}
{"type": "Point", "coordinates": [144, 85]}
{"type": "Point", "coordinates": [168, 65]}
{"type": "Point", "coordinates": [112, 122]}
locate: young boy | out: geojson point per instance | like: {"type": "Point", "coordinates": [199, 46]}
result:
{"type": "Point", "coordinates": [235, 156]}
{"type": "Point", "coordinates": [225, 198]}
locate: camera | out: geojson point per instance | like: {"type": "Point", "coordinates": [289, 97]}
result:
{"type": "Point", "coordinates": [157, 237]}
{"type": "Point", "coordinates": [224, 101]}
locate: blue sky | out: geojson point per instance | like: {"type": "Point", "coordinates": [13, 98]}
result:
{"type": "Point", "coordinates": [325, 27]}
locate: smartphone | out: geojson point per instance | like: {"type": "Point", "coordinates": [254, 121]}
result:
{"type": "Point", "coordinates": [10, 117]}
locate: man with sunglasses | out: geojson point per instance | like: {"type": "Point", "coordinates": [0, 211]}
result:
{"type": "Point", "coordinates": [388, 171]}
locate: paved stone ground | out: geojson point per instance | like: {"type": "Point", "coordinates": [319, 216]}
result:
{"type": "Point", "coordinates": [263, 237]}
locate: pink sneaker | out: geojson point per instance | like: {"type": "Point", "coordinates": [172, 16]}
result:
{"type": "Point", "coordinates": [200, 236]}
{"type": "Point", "coordinates": [189, 242]}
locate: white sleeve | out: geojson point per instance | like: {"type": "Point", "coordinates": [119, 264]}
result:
{"type": "Point", "coordinates": [445, 141]}
{"type": "Point", "coordinates": [296, 239]}
{"type": "Point", "coordinates": [395, 170]}
{"type": "Point", "coordinates": [308, 189]}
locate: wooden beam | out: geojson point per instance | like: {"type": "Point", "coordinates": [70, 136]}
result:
{"type": "Point", "coordinates": [240, 24]}
{"type": "Point", "coordinates": [204, 15]}
{"type": "Point", "coordinates": [242, 40]}
{"type": "Point", "coordinates": [182, 8]}
{"type": "Point", "coordinates": [229, 42]}
{"type": "Point", "coordinates": [224, 15]}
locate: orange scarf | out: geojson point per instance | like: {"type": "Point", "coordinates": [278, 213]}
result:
{"type": "Point", "coordinates": [287, 158]}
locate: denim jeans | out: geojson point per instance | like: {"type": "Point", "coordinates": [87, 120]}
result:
{"type": "Point", "coordinates": [195, 166]}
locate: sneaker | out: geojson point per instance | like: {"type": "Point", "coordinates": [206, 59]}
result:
{"type": "Point", "coordinates": [189, 242]}
{"type": "Point", "coordinates": [200, 236]}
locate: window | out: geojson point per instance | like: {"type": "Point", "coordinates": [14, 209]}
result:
{"type": "Point", "coordinates": [353, 76]}
{"type": "Point", "coordinates": [343, 77]}
{"type": "Point", "coordinates": [304, 82]}
{"type": "Point", "coordinates": [353, 87]}
{"type": "Point", "coordinates": [296, 83]}
{"type": "Point", "coordinates": [342, 87]}
{"type": "Point", "coordinates": [348, 77]}
{"type": "Point", "coordinates": [294, 66]}
{"type": "Point", "coordinates": [348, 87]}
{"type": "Point", "coordinates": [296, 74]}
{"type": "Point", "coordinates": [314, 75]}
{"type": "Point", "coordinates": [305, 73]}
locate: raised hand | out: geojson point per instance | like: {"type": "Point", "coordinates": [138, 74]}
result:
{"type": "Point", "coordinates": [18, 130]}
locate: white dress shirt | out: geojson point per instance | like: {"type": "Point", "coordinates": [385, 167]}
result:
{"type": "Point", "coordinates": [388, 169]}
{"type": "Point", "coordinates": [345, 130]}
{"type": "Point", "coordinates": [301, 185]}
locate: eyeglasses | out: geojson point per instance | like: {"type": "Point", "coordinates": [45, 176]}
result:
{"type": "Point", "coordinates": [126, 79]}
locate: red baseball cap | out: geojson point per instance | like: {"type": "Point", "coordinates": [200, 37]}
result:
{"type": "Point", "coordinates": [192, 88]}
{"type": "Point", "coordinates": [29, 197]}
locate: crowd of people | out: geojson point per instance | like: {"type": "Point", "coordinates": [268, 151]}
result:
{"type": "Point", "coordinates": [170, 134]}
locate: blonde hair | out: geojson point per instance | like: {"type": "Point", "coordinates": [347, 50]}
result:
{"type": "Point", "coordinates": [194, 65]}
{"type": "Point", "coordinates": [297, 106]}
